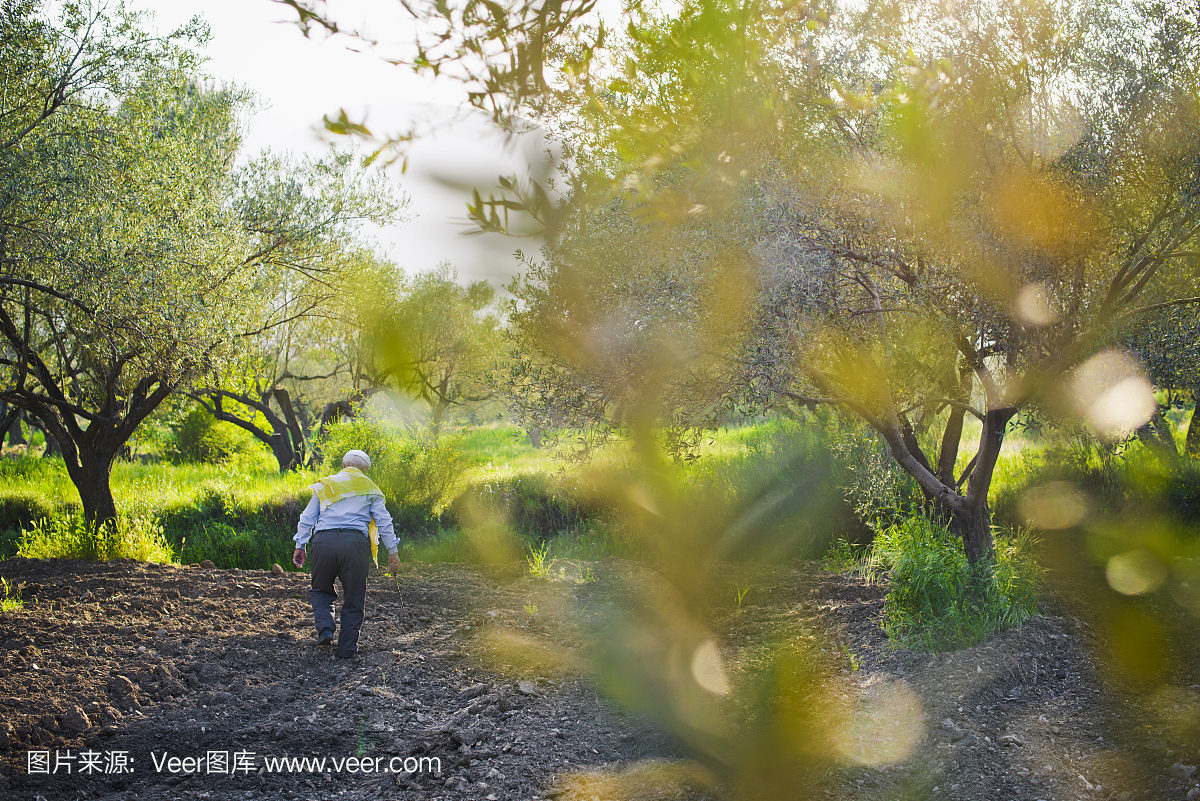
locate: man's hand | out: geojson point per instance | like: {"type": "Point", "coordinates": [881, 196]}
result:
{"type": "Point", "coordinates": [298, 558]}
{"type": "Point", "coordinates": [393, 563]}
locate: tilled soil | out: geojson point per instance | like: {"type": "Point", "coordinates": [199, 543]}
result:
{"type": "Point", "coordinates": [158, 681]}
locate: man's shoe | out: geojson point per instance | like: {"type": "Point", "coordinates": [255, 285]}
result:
{"type": "Point", "coordinates": [346, 654]}
{"type": "Point", "coordinates": [325, 638]}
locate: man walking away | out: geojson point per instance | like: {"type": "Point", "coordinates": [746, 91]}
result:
{"type": "Point", "coordinates": [345, 510]}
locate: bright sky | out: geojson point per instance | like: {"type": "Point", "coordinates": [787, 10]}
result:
{"type": "Point", "coordinates": [256, 45]}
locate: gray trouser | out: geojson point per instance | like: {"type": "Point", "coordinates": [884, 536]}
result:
{"type": "Point", "coordinates": [343, 553]}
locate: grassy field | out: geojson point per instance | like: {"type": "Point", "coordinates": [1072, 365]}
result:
{"type": "Point", "coordinates": [244, 511]}
{"type": "Point", "coordinates": [247, 495]}
{"type": "Point", "coordinates": [765, 493]}
{"type": "Point", "coordinates": [247, 499]}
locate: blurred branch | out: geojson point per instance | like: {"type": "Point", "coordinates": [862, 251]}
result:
{"type": "Point", "coordinates": [808, 400]}
{"type": "Point", "coordinates": [966, 407]}
{"type": "Point", "coordinates": [1156, 306]}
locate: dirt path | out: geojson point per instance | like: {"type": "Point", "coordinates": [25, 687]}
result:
{"type": "Point", "coordinates": [482, 673]}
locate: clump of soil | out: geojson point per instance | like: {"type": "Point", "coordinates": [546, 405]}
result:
{"type": "Point", "coordinates": [160, 662]}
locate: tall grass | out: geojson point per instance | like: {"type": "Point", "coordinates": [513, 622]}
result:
{"type": "Point", "coordinates": [135, 538]}
{"type": "Point", "coordinates": [1115, 479]}
{"type": "Point", "coordinates": [187, 500]}
{"type": "Point", "coordinates": [783, 488]}
{"type": "Point", "coordinates": [417, 472]}
{"type": "Point", "coordinates": [786, 489]}
{"type": "Point", "coordinates": [936, 600]}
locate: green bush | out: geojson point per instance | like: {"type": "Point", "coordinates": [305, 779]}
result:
{"type": "Point", "coordinates": [783, 491]}
{"type": "Point", "coordinates": [139, 538]}
{"type": "Point", "coordinates": [30, 468]}
{"type": "Point", "coordinates": [1123, 480]}
{"type": "Point", "coordinates": [19, 510]}
{"type": "Point", "coordinates": [535, 506]}
{"type": "Point", "coordinates": [937, 601]}
{"type": "Point", "coordinates": [228, 547]}
{"type": "Point", "coordinates": [200, 437]}
{"type": "Point", "coordinates": [871, 481]}
{"type": "Point", "coordinates": [416, 471]}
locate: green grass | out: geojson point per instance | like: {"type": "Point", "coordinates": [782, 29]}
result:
{"type": "Point", "coordinates": [71, 538]}
{"type": "Point", "coordinates": [490, 448]}
{"type": "Point", "coordinates": [12, 600]}
{"type": "Point", "coordinates": [497, 544]}
{"type": "Point", "coordinates": [511, 497]}
{"type": "Point", "coordinates": [936, 601]}
{"type": "Point", "coordinates": [1116, 481]}
{"type": "Point", "coordinates": [191, 502]}
{"type": "Point", "coordinates": [139, 488]}
{"type": "Point", "coordinates": [243, 513]}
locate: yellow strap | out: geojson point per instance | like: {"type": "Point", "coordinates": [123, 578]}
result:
{"type": "Point", "coordinates": [373, 530]}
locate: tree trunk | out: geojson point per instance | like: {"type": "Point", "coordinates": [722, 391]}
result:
{"type": "Point", "coordinates": [95, 490]}
{"type": "Point", "coordinates": [439, 413]}
{"type": "Point", "coordinates": [951, 437]}
{"type": "Point", "coordinates": [1156, 434]}
{"type": "Point", "coordinates": [1165, 433]}
{"type": "Point", "coordinates": [284, 453]}
{"type": "Point", "coordinates": [90, 469]}
{"type": "Point", "coordinates": [929, 501]}
{"type": "Point", "coordinates": [52, 446]}
{"type": "Point", "coordinates": [1192, 444]}
{"type": "Point", "coordinates": [294, 432]}
{"type": "Point", "coordinates": [333, 412]}
{"type": "Point", "coordinates": [12, 415]}
{"type": "Point", "coordinates": [15, 435]}
{"type": "Point", "coordinates": [975, 529]}
{"type": "Point", "coordinates": [974, 524]}
{"type": "Point", "coordinates": [284, 441]}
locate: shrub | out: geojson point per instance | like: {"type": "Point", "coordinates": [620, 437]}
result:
{"type": "Point", "coordinates": [939, 602]}
{"type": "Point", "coordinates": [535, 506]}
{"type": "Point", "coordinates": [871, 481]}
{"type": "Point", "coordinates": [227, 547]}
{"type": "Point", "coordinates": [30, 468]}
{"type": "Point", "coordinates": [1120, 481]}
{"type": "Point", "coordinates": [786, 489]}
{"type": "Point", "coordinates": [200, 437]}
{"type": "Point", "coordinates": [416, 471]}
{"type": "Point", "coordinates": [139, 538]}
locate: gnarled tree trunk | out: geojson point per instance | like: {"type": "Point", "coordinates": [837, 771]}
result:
{"type": "Point", "coordinates": [11, 425]}
{"type": "Point", "coordinates": [1156, 434]}
{"type": "Point", "coordinates": [1191, 445]}
{"type": "Point", "coordinates": [974, 522]}
{"type": "Point", "coordinates": [92, 475]}
{"type": "Point", "coordinates": [967, 515]}
{"type": "Point", "coordinates": [89, 453]}
{"type": "Point", "coordinates": [285, 439]}
{"type": "Point", "coordinates": [52, 446]}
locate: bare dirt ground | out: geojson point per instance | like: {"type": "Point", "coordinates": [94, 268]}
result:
{"type": "Point", "coordinates": [114, 670]}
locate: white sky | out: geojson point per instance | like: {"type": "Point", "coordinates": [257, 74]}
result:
{"type": "Point", "coordinates": [256, 45]}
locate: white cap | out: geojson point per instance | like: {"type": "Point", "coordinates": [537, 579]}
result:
{"type": "Point", "coordinates": [357, 458]}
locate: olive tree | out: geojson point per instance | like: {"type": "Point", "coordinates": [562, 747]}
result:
{"type": "Point", "coordinates": [1168, 343]}
{"type": "Point", "coordinates": [134, 258]}
{"type": "Point", "coordinates": [304, 219]}
{"type": "Point", "coordinates": [916, 212]}
{"type": "Point", "coordinates": [435, 340]}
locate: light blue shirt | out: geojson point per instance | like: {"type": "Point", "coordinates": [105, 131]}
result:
{"type": "Point", "coordinates": [354, 512]}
